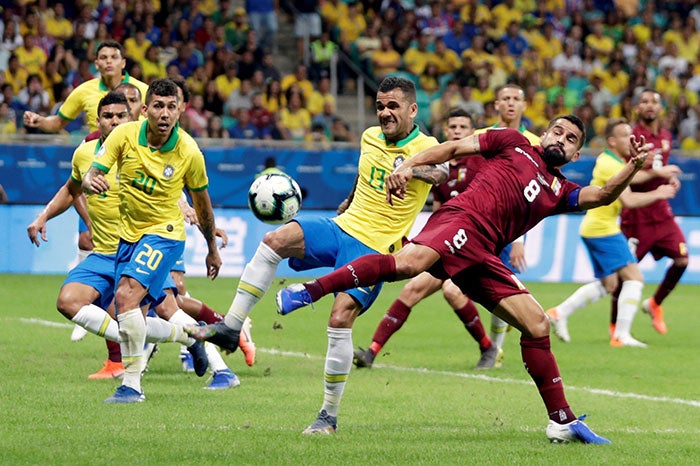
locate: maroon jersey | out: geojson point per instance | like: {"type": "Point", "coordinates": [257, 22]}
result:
{"type": "Point", "coordinates": [461, 174]}
{"type": "Point", "coordinates": [659, 211]}
{"type": "Point", "coordinates": [514, 189]}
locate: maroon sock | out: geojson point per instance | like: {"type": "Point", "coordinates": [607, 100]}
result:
{"type": "Point", "coordinates": [390, 324]}
{"type": "Point", "coordinates": [363, 271]}
{"type": "Point", "coordinates": [542, 367]}
{"type": "Point", "coordinates": [469, 316]}
{"type": "Point", "coordinates": [114, 351]}
{"type": "Point", "coordinates": [673, 275]}
{"type": "Point", "coordinates": [208, 315]}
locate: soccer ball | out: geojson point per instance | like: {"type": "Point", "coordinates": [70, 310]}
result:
{"type": "Point", "coordinates": [274, 198]}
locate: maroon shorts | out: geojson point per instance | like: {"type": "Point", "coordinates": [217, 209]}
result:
{"type": "Point", "coordinates": [666, 240]}
{"type": "Point", "coordinates": [468, 258]}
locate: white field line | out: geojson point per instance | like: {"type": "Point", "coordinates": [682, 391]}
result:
{"type": "Point", "coordinates": [420, 370]}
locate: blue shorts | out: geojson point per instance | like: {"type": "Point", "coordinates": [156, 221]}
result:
{"type": "Point", "coordinates": [327, 245]}
{"type": "Point", "coordinates": [179, 265]}
{"type": "Point", "coordinates": [97, 271]}
{"type": "Point", "coordinates": [608, 254]}
{"type": "Point", "coordinates": [148, 261]}
{"type": "Point", "coordinates": [82, 227]}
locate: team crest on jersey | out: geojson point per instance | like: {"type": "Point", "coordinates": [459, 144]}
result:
{"type": "Point", "coordinates": [398, 161]}
{"type": "Point", "coordinates": [556, 186]}
{"type": "Point", "coordinates": [168, 171]}
{"type": "Point", "coordinates": [665, 145]}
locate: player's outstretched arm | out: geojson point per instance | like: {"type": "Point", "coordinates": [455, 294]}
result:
{"type": "Point", "coordinates": [60, 202]}
{"type": "Point", "coordinates": [48, 124]}
{"type": "Point", "coordinates": [207, 225]}
{"type": "Point", "coordinates": [594, 196]}
{"type": "Point", "coordinates": [94, 181]}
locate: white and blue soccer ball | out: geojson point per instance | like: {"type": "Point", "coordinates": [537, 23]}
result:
{"type": "Point", "coordinates": [274, 198]}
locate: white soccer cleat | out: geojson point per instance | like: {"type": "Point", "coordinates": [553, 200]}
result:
{"type": "Point", "coordinates": [559, 325]}
{"type": "Point", "coordinates": [628, 340]}
{"type": "Point", "coordinates": [78, 333]}
{"type": "Point", "coordinates": [575, 431]}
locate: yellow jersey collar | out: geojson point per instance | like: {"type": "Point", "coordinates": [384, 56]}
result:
{"type": "Point", "coordinates": [169, 144]}
{"type": "Point", "coordinates": [411, 136]}
{"type": "Point", "coordinates": [610, 153]}
{"type": "Point", "coordinates": [521, 128]}
{"type": "Point", "coordinates": [125, 79]}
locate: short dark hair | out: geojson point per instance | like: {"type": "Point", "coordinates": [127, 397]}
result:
{"type": "Point", "coordinates": [161, 87]}
{"type": "Point", "coordinates": [612, 124]}
{"type": "Point", "coordinates": [457, 113]}
{"type": "Point", "coordinates": [182, 84]}
{"type": "Point", "coordinates": [576, 121]}
{"type": "Point", "coordinates": [396, 82]}
{"type": "Point", "coordinates": [112, 44]}
{"type": "Point", "coordinates": [508, 86]}
{"type": "Point", "coordinates": [111, 98]}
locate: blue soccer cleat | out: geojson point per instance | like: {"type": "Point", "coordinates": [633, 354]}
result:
{"type": "Point", "coordinates": [574, 431]}
{"type": "Point", "coordinates": [324, 424]}
{"type": "Point", "coordinates": [126, 394]}
{"type": "Point", "coordinates": [200, 361]}
{"type": "Point", "coordinates": [291, 298]}
{"type": "Point", "coordinates": [187, 362]}
{"type": "Point", "coordinates": [222, 380]}
{"type": "Point", "coordinates": [219, 334]}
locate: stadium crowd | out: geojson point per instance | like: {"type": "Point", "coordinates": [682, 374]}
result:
{"type": "Point", "coordinates": [588, 57]}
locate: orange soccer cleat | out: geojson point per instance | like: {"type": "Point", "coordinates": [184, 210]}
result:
{"type": "Point", "coordinates": [657, 315]}
{"type": "Point", "coordinates": [110, 370]}
{"type": "Point", "coordinates": [245, 343]}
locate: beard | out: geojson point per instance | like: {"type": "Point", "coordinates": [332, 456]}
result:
{"type": "Point", "coordinates": [554, 156]}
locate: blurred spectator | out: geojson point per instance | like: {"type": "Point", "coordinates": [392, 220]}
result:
{"type": "Point", "coordinates": [273, 98]}
{"type": "Point", "coordinates": [350, 26]}
{"type": "Point", "coordinates": [332, 11]}
{"type": "Point", "coordinates": [692, 143]}
{"type": "Point", "coordinates": [446, 60]}
{"type": "Point", "coordinates": [250, 43]}
{"type": "Point", "coordinates": [671, 59]}
{"type": "Point", "coordinates": [667, 85]}
{"type": "Point", "coordinates": [150, 65]}
{"type": "Point", "coordinates": [44, 40]}
{"type": "Point", "coordinates": [182, 34]}
{"type": "Point", "coordinates": [320, 96]}
{"type": "Point", "coordinates": [215, 128]}
{"type": "Point", "coordinates": [546, 43]}
{"type": "Point", "coordinates": [57, 25]}
{"type": "Point", "coordinates": [515, 42]}
{"type": "Point", "coordinates": [31, 57]}
{"type": "Point", "coordinates": [186, 60]}
{"type": "Point", "coordinates": [9, 97]}
{"type": "Point", "coordinates": [429, 81]}
{"type": "Point", "coordinates": [322, 52]}
{"type": "Point", "coordinates": [295, 120]}
{"type": "Point", "coordinates": [34, 96]}
{"type": "Point", "coordinates": [416, 58]}
{"type": "Point", "coordinates": [440, 108]}
{"type": "Point", "coordinates": [600, 44]}
{"type": "Point", "coordinates": [439, 22]}
{"type": "Point", "coordinates": [269, 69]}
{"type": "Point", "coordinates": [318, 134]}
{"type": "Point", "coordinates": [244, 129]}
{"type": "Point", "coordinates": [239, 99]}
{"type": "Point", "coordinates": [482, 92]}
{"type": "Point", "coordinates": [236, 29]}
{"type": "Point", "coordinates": [401, 41]}
{"type": "Point", "coordinates": [217, 41]}
{"type": "Point", "coordinates": [468, 103]}
{"type": "Point", "coordinates": [15, 75]}
{"type": "Point", "coordinates": [263, 19]}
{"type": "Point", "coordinates": [325, 118]}
{"type": "Point", "coordinates": [197, 116]}
{"type": "Point", "coordinates": [341, 132]}
{"type": "Point", "coordinates": [386, 60]}
{"type": "Point", "coordinates": [153, 31]}
{"type": "Point", "coordinates": [197, 83]}
{"type": "Point", "coordinates": [589, 62]}
{"type": "Point", "coordinates": [8, 120]}
{"type": "Point", "coordinates": [78, 43]}
{"type": "Point", "coordinates": [258, 81]}
{"type": "Point", "coordinates": [101, 35]}
{"type": "Point", "coordinates": [466, 75]}
{"type": "Point", "coordinates": [247, 65]}
{"type": "Point", "coordinates": [136, 46]}
{"type": "Point", "coordinates": [458, 39]}
{"type": "Point", "coordinates": [259, 115]}
{"type": "Point", "coordinates": [85, 16]}
{"type": "Point", "coordinates": [212, 99]}
{"type": "Point", "coordinates": [9, 43]}
{"type": "Point", "coordinates": [228, 82]}
{"type": "Point", "coordinates": [299, 79]}
{"type": "Point", "coordinates": [205, 33]}
{"type": "Point", "coordinates": [307, 23]}
{"type": "Point", "coordinates": [568, 63]}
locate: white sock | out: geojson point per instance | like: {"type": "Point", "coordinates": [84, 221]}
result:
{"type": "Point", "coordinates": [180, 318]}
{"type": "Point", "coordinates": [499, 327]}
{"type": "Point", "coordinates": [96, 320]}
{"type": "Point", "coordinates": [585, 295]}
{"type": "Point", "coordinates": [338, 364]}
{"type": "Point", "coordinates": [132, 328]}
{"type": "Point", "coordinates": [254, 283]}
{"type": "Point", "coordinates": [161, 331]}
{"type": "Point", "coordinates": [216, 362]}
{"type": "Point", "coordinates": [627, 304]}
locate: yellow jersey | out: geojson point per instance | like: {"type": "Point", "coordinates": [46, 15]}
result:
{"type": "Point", "coordinates": [87, 96]}
{"type": "Point", "coordinates": [103, 209]}
{"type": "Point", "coordinates": [151, 180]}
{"type": "Point", "coordinates": [369, 218]}
{"type": "Point", "coordinates": [602, 221]}
{"type": "Point", "coordinates": [532, 137]}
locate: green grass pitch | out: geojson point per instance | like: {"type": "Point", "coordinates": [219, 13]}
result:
{"type": "Point", "coordinates": [421, 404]}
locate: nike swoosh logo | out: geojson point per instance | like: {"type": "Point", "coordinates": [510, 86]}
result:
{"type": "Point", "coordinates": [139, 270]}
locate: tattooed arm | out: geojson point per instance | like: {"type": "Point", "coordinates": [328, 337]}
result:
{"type": "Point", "coordinates": [433, 174]}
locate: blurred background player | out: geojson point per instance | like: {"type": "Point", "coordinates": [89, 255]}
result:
{"type": "Point", "coordinates": [613, 263]}
{"type": "Point", "coordinates": [653, 229]}
{"type": "Point", "coordinates": [457, 126]}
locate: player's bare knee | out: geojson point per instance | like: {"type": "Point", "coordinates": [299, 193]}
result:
{"type": "Point", "coordinates": [286, 240]}
{"type": "Point", "coordinates": [453, 295]}
{"type": "Point", "coordinates": [680, 262]}
{"type": "Point", "coordinates": [67, 304]}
